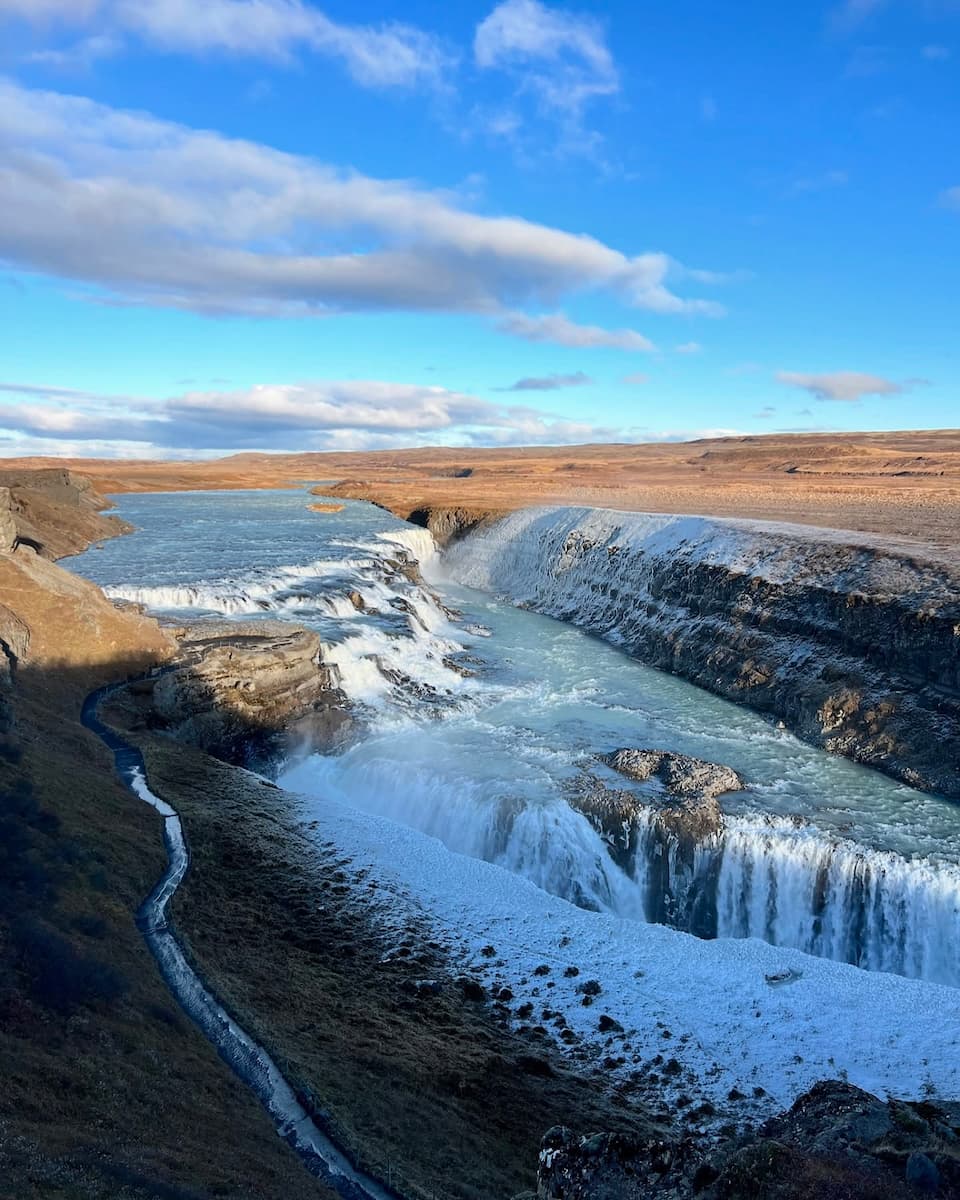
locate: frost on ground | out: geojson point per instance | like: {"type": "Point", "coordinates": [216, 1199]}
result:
{"type": "Point", "coordinates": [717, 1019]}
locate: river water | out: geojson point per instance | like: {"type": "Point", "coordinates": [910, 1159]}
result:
{"type": "Point", "coordinates": [481, 720]}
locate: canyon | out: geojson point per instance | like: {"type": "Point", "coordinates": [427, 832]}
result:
{"type": "Point", "coordinates": [849, 641]}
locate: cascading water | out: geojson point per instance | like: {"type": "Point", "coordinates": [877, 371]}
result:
{"type": "Point", "coordinates": [816, 854]}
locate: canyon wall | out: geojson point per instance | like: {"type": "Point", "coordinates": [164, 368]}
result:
{"type": "Point", "coordinates": [852, 642]}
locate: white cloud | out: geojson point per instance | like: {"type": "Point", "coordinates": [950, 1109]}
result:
{"type": "Point", "coordinates": [392, 54]}
{"type": "Point", "coordinates": [561, 56]}
{"type": "Point", "coordinates": [841, 385]}
{"type": "Point", "coordinates": [319, 415]}
{"type": "Point", "coordinates": [688, 348]}
{"type": "Point", "coordinates": [154, 212]}
{"type": "Point", "coordinates": [557, 328]}
{"type": "Point", "coordinates": [636, 379]}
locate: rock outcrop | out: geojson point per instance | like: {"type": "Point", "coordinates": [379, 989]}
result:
{"type": "Point", "coordinates": [657, 835]}
{"type": "Point", "coordinates": [245, 692]}
{"type": "Point", "coordinates": [835, 1143]}
{"type": "Point", "coordinates": [451, 524]}
{"type": "Point", "coordinates": [852, 642]}
{"type": "Point", "coordinates": [8, 523]}
{"type": "Point", "coordinates": [681, 775]}
{"type": "Point", "coordinates": [54, 512]}
{"type": "Point", "coordinates": [65, 634]}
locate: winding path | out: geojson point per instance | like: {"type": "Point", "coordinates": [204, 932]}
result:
{"type": "Point", "coordinates": [249, 1060]}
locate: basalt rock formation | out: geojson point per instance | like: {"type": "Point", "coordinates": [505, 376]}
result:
{"type": "Point", "coordinates": [853, 643]}
{"type": "Point", "coordinates": [244, 692]}
{"type": "Point", "coordinates": [661, 831]}
{"type": "Point", "coordinates": [835, 1142]}
{"type": "Point", "coordinates": [681, 775]}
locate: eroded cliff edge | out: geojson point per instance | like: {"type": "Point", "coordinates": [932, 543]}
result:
{"type": "Point", "coordinates": [851, 642]}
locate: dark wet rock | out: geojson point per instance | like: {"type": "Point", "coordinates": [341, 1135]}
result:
{"type": "Point", "coordinates": [836, 1143]}
{"type": "Point", "coordinates": [533, 1064]}
{"type": "Point", "coordinates": [922, 1173]}
{"type": "Point", "coordinates": [472, 989]}
{"type": "Point", "coordinates": [607, 1024]}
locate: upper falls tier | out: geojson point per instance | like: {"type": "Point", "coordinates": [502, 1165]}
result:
{"type": "Point", "coordinates": [854, 644]}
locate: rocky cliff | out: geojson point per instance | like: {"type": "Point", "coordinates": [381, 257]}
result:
{"type": "Point", "coordinates": [54, 512]}
{"type": "Point", "coordinates": [853, 643]}
{"type": "Point", "coordinates": [243, 692]}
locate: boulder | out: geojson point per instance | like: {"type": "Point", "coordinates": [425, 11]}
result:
{"type": "Point", "coordinates": [245, 691]}
{"type": "Point", "coordinates": [680, 774]}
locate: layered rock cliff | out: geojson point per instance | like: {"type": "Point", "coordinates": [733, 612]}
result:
{"type": "Point", "coordinates": [53, 512]}
{"type": "Point", "coordinates": [243, 691]}
{"type": "Point", "coordinates": [852, 643]}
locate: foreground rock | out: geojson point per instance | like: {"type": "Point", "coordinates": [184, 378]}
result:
{"type": "Point", "coordinates": [835, 1143]}
{"type": "Point", "coordinates": [245, 691]}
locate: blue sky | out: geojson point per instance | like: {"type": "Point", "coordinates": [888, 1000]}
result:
{"type": "Point", "coordinates": [279, 224]}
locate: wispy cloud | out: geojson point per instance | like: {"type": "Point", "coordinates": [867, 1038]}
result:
{"type": "Point", "coordinates": [561, 56]}
{"type": "Point", "coordinates": [558, 62]}
{"type": "Point", "coordinates": [823, 181]}
{"type": "Point", "coordinates": [851, 14]}
{"type": "Point", "coordinates": [388, 55]}
{"type": "Point", "coordinates": [844, 385]}
{"type": "Point", "coordinates": [548, 383]}
{"type": "Point", "coordinates": [936, 53]}
{"type": "Point", "coordinates": [559, 329]}
{"type": "Point", "coordinates": [636, 379]}
{"type": "Point", "coordinates": [950, 198]}
{"type": "Point", "coordinates": [688, 348]}
{"type": "Point", "coordinates": [153, 212]}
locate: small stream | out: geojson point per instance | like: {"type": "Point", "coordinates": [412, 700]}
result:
{"type": "Point", "coordinates": [246, 1057]}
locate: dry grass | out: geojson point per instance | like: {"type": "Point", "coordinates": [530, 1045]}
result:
{"type": "Point", "coordinates": [107, 1095]}
{"type": "Point", "coordinates": [905, 483]}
